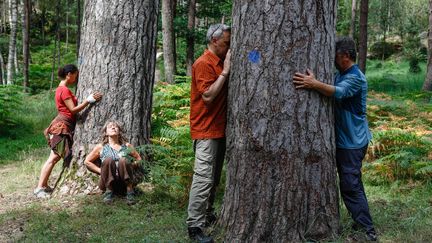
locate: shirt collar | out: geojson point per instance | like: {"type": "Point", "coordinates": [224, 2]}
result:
{"type": "Point", "coordinates": [348, 69]}
{"type": "Point", "coordinates": [212, 57]}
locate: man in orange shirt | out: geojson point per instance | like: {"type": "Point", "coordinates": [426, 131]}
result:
{"type": "Point", "coordinates": [209, 90]}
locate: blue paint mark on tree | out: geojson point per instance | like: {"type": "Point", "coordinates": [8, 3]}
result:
{"type": "Point", "coordinates": [254, 56]}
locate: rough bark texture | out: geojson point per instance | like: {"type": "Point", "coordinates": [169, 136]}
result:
{"type": "Point", "coordinates": [281, 175]}
{"type": "Point", "coordinates": [190, 39]}
{"type": "Point", "coordinates": [12, 40]}
{"type": "Point", "coordinates": [117, 58]}
{"type": "Point", "coordinates": [363, 35]}
{"type": "Point", "coordinates": [427, 85]}
{"type": "Point", "coordinates": [168, 40]}
{"type": "Point", "coordinates": [353, 17]}
{"type": "Point", "coordinates": [26, 43]}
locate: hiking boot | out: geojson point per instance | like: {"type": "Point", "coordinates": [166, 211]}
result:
{"type": "Point", "coordinates": [197, 235]}
{"type": "Point", "coordinates": [108, 197]}
{"type": "Point", "coordinates": [41, 193]}
{"type": "Point", "coordinates": [130, 198]}
{"type": "Point", "coordinates": [371, 236]}
{"type": "Point", "coordinates": [210, 219]}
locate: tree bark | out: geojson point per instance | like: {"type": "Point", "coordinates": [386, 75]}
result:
{"type": "Point", "coordinates": [168, 40]}
{"type": "Point", "coordinates": [12, 40]}
{"type": "Point", "coordinates": [363, 35]}
{"type": "Point", "coordinates": [353, 18]}
{"type": "Point", "coordinates": [26, 43]}
{"type": "Point", "coordinates": [190, 38]}
{"type": "Point", "coordinates": [428, 79]}
{"type": "Point", "coordinates": [281, 175]}
{"type": "Point", "coordinates": [118, 55]}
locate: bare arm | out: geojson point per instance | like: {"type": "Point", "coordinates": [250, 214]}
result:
{"type": "Point", "coordinates": [308, 81]}
{"type": "Point", "coordinates": [210, 94]}
{"type": "Point", "coordinates": [75, 109]}
{"type": "Point", "coordinates": [134, 153]}
{"type": "Point", "coordinates": [91, 158]}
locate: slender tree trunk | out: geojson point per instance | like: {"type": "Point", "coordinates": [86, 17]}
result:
{"type": "Point", "coordinates": [2, 17]}
{"type": "Point", "coordinates": [58, 30]}
{"type": "Point", "coordinates": [78, 39]}
{"type": "Point", "coordinates": [43, 16]}
{"type": "Point", "coordinates": [168, 40]}
{"type": "Point", "coordinates": [363, 35]}
{"type": "Point", "coordinates": [2, 79]}
{"type": "Point", "coordinates": [67, 26]}
{"type": "Point", "coordinates": [56, 53]}
{"type": "Point", "coordinates": [428, 79]}
{"type": "Point", "coordinates": [12, 40]}
{"type": "Point", "coordinates": [353, 18]}
{"type": "Point", "coordinates": [190, 38]}
{"type": "Point", "coordinates": [26, 43]}
{"type": "Point", "coordinates": [281, 175]}
{"type": "Point", "coordinates": [117, 59]}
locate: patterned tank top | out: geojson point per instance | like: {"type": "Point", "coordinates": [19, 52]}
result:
{"type": "Point", "coordinates": [109, 152]}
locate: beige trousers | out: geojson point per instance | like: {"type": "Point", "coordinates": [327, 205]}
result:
{"type": "Point", "coordinates": [209, 157]}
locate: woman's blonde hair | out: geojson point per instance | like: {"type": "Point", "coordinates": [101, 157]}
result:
{"type": "Point", "coordinates": [121, 137]}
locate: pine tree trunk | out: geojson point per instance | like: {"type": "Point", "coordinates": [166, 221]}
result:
{"type": "Point", "coordinates": [353, 18]}
{"type": "Point", "coordinates": [12, 40]}
{"type": "Point", "coordinates": [190, 38]}
{"type": "Point", "coordinates": [168, 40]}
{"type": "Point", "coordinates": [363, 35]}
{"type": "Point", "coordinates": [281, 174]}
{"type": "Point", "coordinates": [26, 43]}
{"type": "Point", "coordinates": [118, 54]}
{"type": "Point", "coordinates": [427, 85]}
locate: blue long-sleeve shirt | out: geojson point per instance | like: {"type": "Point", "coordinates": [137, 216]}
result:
{"type": "Point", "coordinates": [351, 125]}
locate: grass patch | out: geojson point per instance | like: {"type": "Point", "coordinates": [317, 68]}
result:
{"type": "Point", "coordinates": [27, 134]}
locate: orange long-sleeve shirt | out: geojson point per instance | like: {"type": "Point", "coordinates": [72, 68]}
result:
{"type": "Point", "coordinates": [207, 121]}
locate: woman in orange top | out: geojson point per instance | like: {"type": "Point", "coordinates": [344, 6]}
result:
{"type": "Point", "coordinates": [59, 134]}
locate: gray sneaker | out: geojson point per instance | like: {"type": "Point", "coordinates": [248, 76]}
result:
{"type": "Point", "coordinates": [108, 197]}
{"type": "Point", "coordinates": [41, 193]}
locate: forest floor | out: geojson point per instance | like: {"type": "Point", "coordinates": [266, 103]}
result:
{"type": "Point", "coordinates": [402, 212]}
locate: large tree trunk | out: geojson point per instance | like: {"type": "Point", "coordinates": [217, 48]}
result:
{"type": "Point", "coordinates": [12, 40]}
{"type": "Point", "coordinates": [118, 53]}
{"type": "Point", "coordinates": [428, 79]}
{"type": "Point", "coordinates": [168, 40]}
{"type": "Point", "coordinates": [353, 18]}
{"type": "Point", "coordinates": [26, 43]}
{"type": "Point", "coordinates": [281, 175]}
{"type": "Point", "coordinates": [190, 38]}
{"type": "Point", "coordinates": [363, 35]}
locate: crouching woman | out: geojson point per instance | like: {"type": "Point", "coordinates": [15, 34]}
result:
{"type": "Point", "coordinates": [118, 160]}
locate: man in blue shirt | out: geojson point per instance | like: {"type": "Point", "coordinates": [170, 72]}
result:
{"type": "Point", "coordinates": [351, 127]}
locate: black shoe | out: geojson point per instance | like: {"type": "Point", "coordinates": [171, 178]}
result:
{"type": "Point", "coordinates": [210, 219]}
{"type": "Point", "coordinates": [371, 236]}
{"type": "Point", "coordinates": [196, 234]}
